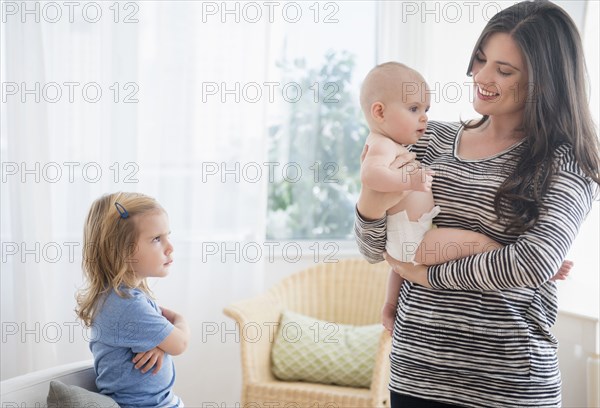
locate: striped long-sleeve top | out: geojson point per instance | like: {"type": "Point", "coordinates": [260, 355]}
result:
{"type": "Point", "coordinates": [481, 336]}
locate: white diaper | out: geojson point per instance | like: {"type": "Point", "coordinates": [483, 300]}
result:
{"type": "Point", "coordinates": [404, 236]}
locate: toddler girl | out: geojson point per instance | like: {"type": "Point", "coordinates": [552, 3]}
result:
{"type": "Point", "coordinates": [126, 241]}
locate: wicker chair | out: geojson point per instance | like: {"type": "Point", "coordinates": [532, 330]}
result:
{"type": "Point", "coordinates": [346, 292]}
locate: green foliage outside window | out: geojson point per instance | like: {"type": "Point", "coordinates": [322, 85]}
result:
{"type": "Point", "coordinates": [322, 135]}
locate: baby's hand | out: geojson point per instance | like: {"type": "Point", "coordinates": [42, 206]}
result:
{"type": "Point", "coordinates": [149, 359]}
{"type": "Point", "coordinates": [420, 178]}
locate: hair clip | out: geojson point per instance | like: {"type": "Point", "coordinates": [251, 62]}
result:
{"type": "Point", "coordinates": [122, 211]}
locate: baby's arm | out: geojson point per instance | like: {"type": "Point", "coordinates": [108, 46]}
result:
{"type": "Point", "coordinates": [376, 173]}
{"type": "Point", "coordinates": [374, 204]}
{"type": "Point", "coordinates": [176, 342]}
{"type": "Point", "coordinates": [388, 312]}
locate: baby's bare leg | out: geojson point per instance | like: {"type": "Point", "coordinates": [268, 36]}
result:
{"type": "Point", "coordinates": [441, 245]}
{"type": "Point", "coordinates": [388, 311]}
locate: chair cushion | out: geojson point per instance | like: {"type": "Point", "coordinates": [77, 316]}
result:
{"type": "Point", "coordinates": [62, 395]}
{"type": "Point", "coordinates": [307, 349]}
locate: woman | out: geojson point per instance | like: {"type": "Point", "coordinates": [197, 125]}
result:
{"type": "Point", "coordinates": [475, 332]}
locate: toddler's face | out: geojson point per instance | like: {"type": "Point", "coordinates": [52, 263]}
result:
{"type": "Point", "coordinates": [153, 254]}
{"type": "Point", "coordinates": [406, 118]}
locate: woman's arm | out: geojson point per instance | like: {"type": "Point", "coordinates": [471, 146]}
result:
{"type": "Point", "coordinates": [537, 254]}
{"type": "Point", "coordinates": [441, 245]}
{"type": "Point", "coordinates": [370, 237]}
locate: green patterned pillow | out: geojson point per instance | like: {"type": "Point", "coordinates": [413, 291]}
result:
{"type": "Point", "coordinates": [307, 349]}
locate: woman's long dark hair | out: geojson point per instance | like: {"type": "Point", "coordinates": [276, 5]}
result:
{"type": "Point", "coordinates": [556, 110]}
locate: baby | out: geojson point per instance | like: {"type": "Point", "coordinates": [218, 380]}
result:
{"type": "Point", "coordinates": [396, 118]}
{"type": "Point", "coordinates": [395, 99]}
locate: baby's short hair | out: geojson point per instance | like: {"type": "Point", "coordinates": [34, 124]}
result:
{"type": "Point", "coordinates": [385, 82]}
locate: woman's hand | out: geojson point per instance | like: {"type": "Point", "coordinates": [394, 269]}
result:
{"type": "Point", "coordinates": [386, 200]}
{"type": "Point", "coordinates": [149, 359]}
{"type": "Point", "coordinates": [412, 273]}
{"type": "Point", "coordinates": [400, 161]}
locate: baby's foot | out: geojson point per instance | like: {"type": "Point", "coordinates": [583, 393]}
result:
{"type": "Point", "coordinates": [563, 272]}
{"type": "Point", "coordinates": [388, 316]}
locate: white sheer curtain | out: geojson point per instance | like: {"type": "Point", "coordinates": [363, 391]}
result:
{"type": "Point", "coordinates": [437, 39]}
{"type": "Point", "coordinates": [166, 141]}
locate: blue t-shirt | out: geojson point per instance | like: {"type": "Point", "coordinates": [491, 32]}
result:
{"type": "Point", "coordinates": [122, 328]}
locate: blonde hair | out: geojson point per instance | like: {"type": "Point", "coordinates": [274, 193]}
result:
{"type": "Point", "coordinates": [108, 242]}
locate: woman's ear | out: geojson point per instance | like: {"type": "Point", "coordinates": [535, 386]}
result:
{"type": "Point", "coordinates": [377, 111]}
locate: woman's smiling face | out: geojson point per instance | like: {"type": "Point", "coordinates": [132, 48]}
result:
{"type": "Point", "coordinates": [500, 77]}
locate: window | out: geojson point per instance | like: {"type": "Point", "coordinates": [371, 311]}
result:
{"type": "Point", "coordinates": [317, 130]}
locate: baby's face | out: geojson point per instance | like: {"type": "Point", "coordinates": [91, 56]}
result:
{"type": "Point", "coordinates": [405, 119]}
